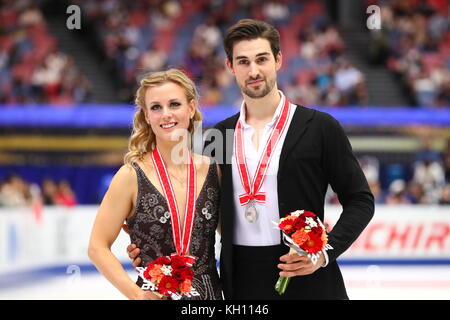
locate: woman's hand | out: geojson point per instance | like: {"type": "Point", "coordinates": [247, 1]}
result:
{"type": "Point", "coordinates": [148, 295]}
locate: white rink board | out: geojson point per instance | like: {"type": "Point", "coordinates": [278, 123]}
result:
{"type": "Point", "coordinates": [61, 238]}
{"type": "Point", "coordinates": [58, 245]}
{"type": "Point", "coordinates": [410, 233]}
{"type": "Point", "coordinates": [395, 233]}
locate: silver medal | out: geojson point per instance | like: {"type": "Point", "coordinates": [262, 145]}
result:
{"type": "Point", "coordinates": [251, 214]}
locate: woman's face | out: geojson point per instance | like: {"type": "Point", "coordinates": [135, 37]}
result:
{"type": "Point", "coordinates": [168, 110]}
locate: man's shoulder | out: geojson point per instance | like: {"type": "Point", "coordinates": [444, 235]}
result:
{"type": "Point", "coordinates": [301, 111]}
{"type": "Point", "coordinates": [314, 114]}
{"type": "Point", "coordinates": [228, 123]}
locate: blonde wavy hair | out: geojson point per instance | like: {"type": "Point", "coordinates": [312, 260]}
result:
{"type": "Point", "coordinates": [142, 137]}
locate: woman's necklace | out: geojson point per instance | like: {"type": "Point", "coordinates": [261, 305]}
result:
{"type": "Point", "coordinates": [181, 181]}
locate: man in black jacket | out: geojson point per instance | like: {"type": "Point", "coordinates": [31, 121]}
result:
{"type": "Point", "coordinates": [289, 156]}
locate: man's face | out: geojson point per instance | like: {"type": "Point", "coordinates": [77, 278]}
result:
{"type": "Point", "coordinates": [254, 67]}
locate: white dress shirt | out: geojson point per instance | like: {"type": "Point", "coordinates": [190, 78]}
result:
{"type": "Point", "coordinates": [262, 232]}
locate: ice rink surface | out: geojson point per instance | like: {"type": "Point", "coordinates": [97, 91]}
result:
{"type": "Point", "coordinates": [363, 283]}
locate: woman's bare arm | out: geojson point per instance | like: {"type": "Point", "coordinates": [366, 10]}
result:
{"type": "Point", "coordinates": [114, 209]}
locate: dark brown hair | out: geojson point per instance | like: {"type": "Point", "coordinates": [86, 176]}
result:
{"type": "Point", "coordinates": [249, 29]}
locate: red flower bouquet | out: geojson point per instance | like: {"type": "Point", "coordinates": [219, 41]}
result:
{"type": "Point", "coordinates": [169, 276]}
{"type": "Point", "coordinates": [305, 234]}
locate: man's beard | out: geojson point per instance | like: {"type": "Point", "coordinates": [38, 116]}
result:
{"type": "Point", "coordinates": [268, 86]}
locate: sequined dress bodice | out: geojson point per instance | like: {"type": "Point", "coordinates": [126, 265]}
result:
{"type": "Point", "coordinates": [151, 230]}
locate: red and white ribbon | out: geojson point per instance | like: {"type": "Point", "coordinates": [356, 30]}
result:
{"type": "Point", "coordinates": [181, 239]}
{"type": "Point", "coordinates": [189, 260]}
{"type": "Point", "coordinates": [252, 189]}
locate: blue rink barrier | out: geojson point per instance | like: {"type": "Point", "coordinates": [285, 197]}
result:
{"type": "Point", "coordinates": [121, 116]}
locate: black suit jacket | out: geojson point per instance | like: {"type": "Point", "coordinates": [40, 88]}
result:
{"type": "Point", "coordinates": [315, 153]}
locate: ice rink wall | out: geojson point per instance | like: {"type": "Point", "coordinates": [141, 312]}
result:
{"type": "Point", "coordinates": [33, 248]}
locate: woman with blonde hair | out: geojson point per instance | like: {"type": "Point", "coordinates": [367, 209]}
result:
{"type": "Point", "coordinates": [161, 189]}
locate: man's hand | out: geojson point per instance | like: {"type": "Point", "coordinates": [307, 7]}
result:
{"type": "Point", "coordinates": [132, 250]}
{"type": "Point", "coordinates": [298, 265]}
{"type": "Point", "coordinates": [133, 253]}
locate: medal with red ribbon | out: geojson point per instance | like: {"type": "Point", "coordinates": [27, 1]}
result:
{"type": "Point", "coordinates": [181, 238]}
{"type": "Point", "coordinates": [252, 193]}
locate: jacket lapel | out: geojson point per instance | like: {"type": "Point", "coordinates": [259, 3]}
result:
{"type": "Point", "coordinates": [228, 139]}
{"type": "Point", "coordinates": [299, 124]}
{"type": "Point", "coordinates": [297, 128]}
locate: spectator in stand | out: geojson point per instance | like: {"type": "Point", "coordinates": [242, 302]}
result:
{"type": "Point", "coordinates": [295, 92]}
{"type": "Point", "coordinates": [303, 93]}
{"type": "Point", "coordinates": [333, 96]}
{"type": "Point", "coordinates": [323, 80]}
{"type": "Point", "coordinates": [425, 89]}
{"type": "Point", "coordinates": [152, 60]}
{"type": "Point", "coordinates": [212, 95]}
{"type": "Point", "coordinates": [275, 11]}
{"type": "Point", "coordinates": [49, 191]}
{"type": "Point", "coordinates": [443, 96]}
{"type": "Point", "coordinates": [65, 195]}
{"type": "Point", "coordinates": [397, 193]}
{"type": "Point", "coordinates": [428, 171]}
{"type": "Point", "coordinates": [426, 151]}
{"type": "Point", "coordinates": [209, 34]}
{"type": "Point", "coordinates": [430, 174]}
{"type": "Point", "coordinates": [371, 168]}
{"type": "Point", "coordinates": [349, 81]}
{"type": "Point", "coordinates": [415, 193]}
{"type": "Point", "coordinates": [14, 191]}
{"type": "Point", "coordinates": [375, 188]}
{"type": "Point", "coordinates": [444, 198]}
{"type": "Point", "coordinates": [194, 61]}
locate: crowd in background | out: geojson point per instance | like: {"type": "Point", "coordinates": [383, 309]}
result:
{"type": "Point", "coordinates": [32, 68]}
{"type": "Point", "coordinates": [144, 36]}
{"type": "Point", "coordinates": [414, 41]}
{"type": "Point", "coordinates": [429, 183]}
{"type": "Point", "coordinates": [16, 191]}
